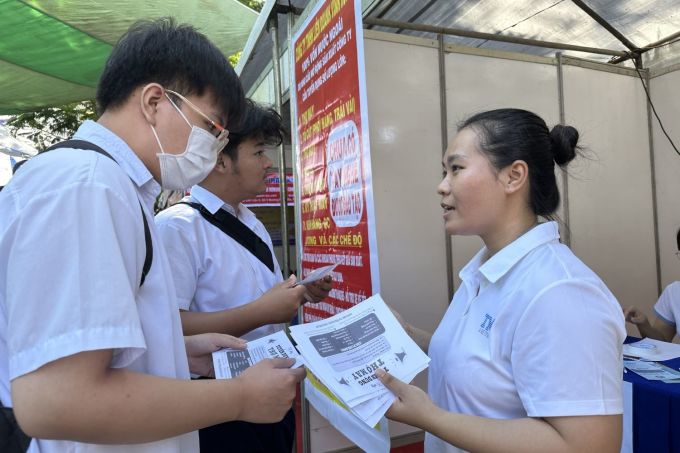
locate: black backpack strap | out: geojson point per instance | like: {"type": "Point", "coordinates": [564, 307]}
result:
{"type": "Point", "coordinates": [82, 144]}
{"type": "Point", "coordinates": [239, 232]}
{"type": "Point", "coordinates": [12, 438]}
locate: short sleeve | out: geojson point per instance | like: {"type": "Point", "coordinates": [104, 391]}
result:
{"type": "Point", "coordinates": [176, 236]}
{"type": "Point", "coordinates": [566, 353]}
{"type": "Point", "coordinates": [73, 268]}
{"type": "Point", "coordinates": [664, 306]}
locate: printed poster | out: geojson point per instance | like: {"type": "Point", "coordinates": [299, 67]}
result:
{"type": "Point", "coordinates": [272, 195]}
{"type": "Point", "coordinates": [333, 172]}
{"type": "Point", "coordinates": [333, 162]}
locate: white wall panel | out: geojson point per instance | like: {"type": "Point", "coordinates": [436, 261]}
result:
{"type": "Point", "coordinates": [478, 83]}
{"type": "Point", "coordinates": [610, 195]}
{"type": "Point", "coordinates": [404, 120]}
{"type": "Point", "coordinates": [665, 96]}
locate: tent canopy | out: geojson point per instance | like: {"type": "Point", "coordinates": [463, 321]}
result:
{"type": "Point", "coordinates": [640, 22]}
{"type": "Point", "coordinates": [52, 53]}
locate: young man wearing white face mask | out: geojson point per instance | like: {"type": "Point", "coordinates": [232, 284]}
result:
{"type": "Point", "coordinates": [90, 353]}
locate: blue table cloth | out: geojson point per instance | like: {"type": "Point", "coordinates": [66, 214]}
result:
{"type": "Point", "coordinates": [656, 412]}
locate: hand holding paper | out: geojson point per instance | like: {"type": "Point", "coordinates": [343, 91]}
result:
{"type": "Point", "coordinates": [200, 348]}
{"type": "Point", "coordinates": [412, 405]}
{"type": "Point", "coordinates": [271, 388]}
{"type": "Point", "coordinates": [317, 274]}
{"type": "Point", "coordinates": [230, 363]}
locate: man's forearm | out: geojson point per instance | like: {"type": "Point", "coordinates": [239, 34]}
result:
{"type": "Point", "coordinates": [120, 406]}
{"type": "Point", "coordinates": [233, 321]}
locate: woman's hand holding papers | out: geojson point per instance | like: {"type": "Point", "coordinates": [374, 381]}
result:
{"type": "Point", "coordinates": [412, 405]}
{"type": "Point", "coordinates": [269, 389]}
{"type": "Point", "coordinates": [200, 348]}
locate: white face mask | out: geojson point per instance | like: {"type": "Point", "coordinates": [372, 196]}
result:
{"type": "Point", "coordinates": [181, 171]}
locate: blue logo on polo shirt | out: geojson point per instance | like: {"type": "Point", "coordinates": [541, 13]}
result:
{"type": "Point", "coordinates": [486, 325]}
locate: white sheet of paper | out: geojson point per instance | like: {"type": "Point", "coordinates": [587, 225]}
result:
{"type": "Point", "coordinates": [345, 350]}
{"type": "Point", "coordinates": [317, 274]}
{"type": "Point", "coordinates": [655, 350]}
{"type": "Point", "coordinates": [229, 363]}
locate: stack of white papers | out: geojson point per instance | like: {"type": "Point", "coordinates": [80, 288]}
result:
{"type": "Point", "coordinates": [653, 371]}
{"type": "Point", "coordinates": [648, 349]}
{"type": "Point", "coordinates": [344, 352]}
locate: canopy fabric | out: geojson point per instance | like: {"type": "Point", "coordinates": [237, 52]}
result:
{"type": "Point", "coordinates": [641, 21]}
{"type": "Point", "coordinates": [52, 52]}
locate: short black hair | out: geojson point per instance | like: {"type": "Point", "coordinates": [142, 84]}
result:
{"type": "Point", "coordinates": [677, 239]}
{"type": "Point", "coordinates": [175, 56]}
{"type": "Point", "coordinates": [258, 122]}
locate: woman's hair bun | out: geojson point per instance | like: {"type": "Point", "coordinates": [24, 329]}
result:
{"type": "Point", "coordinates": [563, 143]}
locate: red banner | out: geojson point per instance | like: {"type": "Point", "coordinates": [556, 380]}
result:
{"type": "Point", "coordinates": [272, 196]}
{"type": "Point", "coordinates": [332, 155]}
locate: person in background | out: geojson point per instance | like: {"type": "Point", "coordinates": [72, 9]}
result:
{"type": "Point", "coordinates": [528, 357]}
{"type": "Point", "coordinates": [222, 284]}
{"type": "Point", "coordinates": [92, 355]}
{"type": "Point", "coordinates": [664, 325]}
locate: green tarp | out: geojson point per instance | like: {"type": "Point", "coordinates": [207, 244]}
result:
{"type": "Point", "coordinates": [52, 51]}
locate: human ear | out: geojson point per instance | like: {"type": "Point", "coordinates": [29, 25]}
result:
{"type": "Point", "coordinates": [221, 164]}
{"type": "Point", "coordinates": [150, 95]}
{"type": "Point", "coordinates": [515, 176]}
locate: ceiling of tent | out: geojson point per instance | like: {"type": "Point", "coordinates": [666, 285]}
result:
{"type": "Point", "coordinates": [640, 21]}
{"type": "Point", "coordinates": [52, 52]}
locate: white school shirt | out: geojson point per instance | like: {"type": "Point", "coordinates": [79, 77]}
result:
{"type": "Point", "coordinates": [212, 271]}
{"type": "Point", "coordinates": [668, 305]}
{"type": "Point", "coordinates": [71, 255]}
{"type": "Point", "coordinates": [542, 338]}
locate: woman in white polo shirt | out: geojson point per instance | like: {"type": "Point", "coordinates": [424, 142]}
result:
{"type": "Point", "coordinates": [528, 355]}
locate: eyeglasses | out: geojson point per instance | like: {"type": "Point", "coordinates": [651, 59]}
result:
{"type": "Point", "coordinates": [222, 130]}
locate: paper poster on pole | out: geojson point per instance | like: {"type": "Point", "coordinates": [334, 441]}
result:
{"type": "Point", "coordinates": [330, 124]}
{"type": "Point", "coordinates": [334, 199]}
{"type": "Point", "coordinates": [272, 194]}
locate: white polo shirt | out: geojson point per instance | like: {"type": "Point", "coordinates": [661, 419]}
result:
{"type": "Point", "coordinates": [531, 332]}
{"type": "Point", "coordinates": [71, 255]}
{"type": "Point", "coordinates": [668, 305]}
{"type": "Point", "coordinates": [212, 271]}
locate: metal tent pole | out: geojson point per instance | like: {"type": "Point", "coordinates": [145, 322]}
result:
{"type": "Point", "coordinates": [276, 70]}
{"type": "Point", "coordinates": [488, 36]}
{"type": "Point", "coordinates": [443, 115]}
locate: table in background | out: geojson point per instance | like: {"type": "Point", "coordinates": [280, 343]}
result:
{"type": "Point", "coordinates": [655, 412]}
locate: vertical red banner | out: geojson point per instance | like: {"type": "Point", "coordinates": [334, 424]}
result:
{"type": "Point", "coordinates": [332, 155]}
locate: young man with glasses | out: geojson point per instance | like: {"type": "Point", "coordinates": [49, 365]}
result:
{"type": "Point", "coordinates": [91, 345]}
{"type": "Point", "coordinates": [664, 325]}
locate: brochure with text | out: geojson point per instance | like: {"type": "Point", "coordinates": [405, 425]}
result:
{"type": "Point", "coordinates": [343, 352]}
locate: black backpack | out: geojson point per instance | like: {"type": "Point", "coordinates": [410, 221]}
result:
{"type": "Point", "coordinates": [12, 438]}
